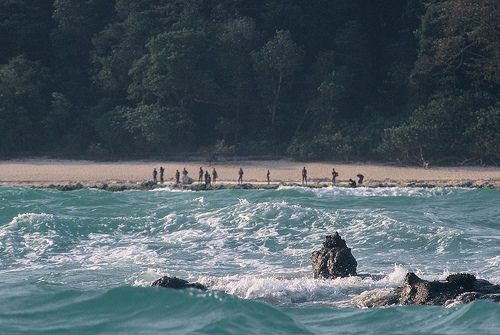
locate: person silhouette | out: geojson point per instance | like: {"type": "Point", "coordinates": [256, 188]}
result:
{"type": "Point", "coordinates": [352, 183]}
{"type": "Point", "coordinates": [207, 178]}
{"type": "Point", "coordinates": [360, 178]}
{"type": "Point", "coordinates": [240, 178]}
{"type": "Point", "coordinates": [335, 174]}
{"type": "Point", "coordinates": [177, 177]}
{"type": "Point", "coordinates": [268, 177]}
{"type": "Point", "coordinates": [304, 175]}
{"type": "Point", "coordinates": [162, 170]}
{"type": "Point", "coordinates": [200, 175]}
{"type": "Point", "coordinates": [155, 173]}
{"type": "Point", "coordinates": [214, 175]}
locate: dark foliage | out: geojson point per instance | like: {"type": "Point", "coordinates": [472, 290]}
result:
{"type": "Point", "coordinates": [410, 80]}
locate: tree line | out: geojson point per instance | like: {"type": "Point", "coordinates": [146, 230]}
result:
{"type": "Point", "coordinates": [405, 80]}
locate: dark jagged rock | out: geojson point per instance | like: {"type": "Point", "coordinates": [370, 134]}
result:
{"type": "Point", "coordinates": [176, 283]}
{"type": "Point", "coordinates": [334, 260]}
{"type": "Point", "coordinates": [459, 287]}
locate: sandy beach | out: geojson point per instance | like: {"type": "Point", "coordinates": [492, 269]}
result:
{"type": "Point", "coordinates": [44, 172]}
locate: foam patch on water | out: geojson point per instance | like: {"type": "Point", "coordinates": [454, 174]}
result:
{"type": "Point", "coordinates": [28, 236]}
{"type": "Point", "coordinates": [168, 189]}
{"type": "Point", "coordinates": [291, 290]}
{"type": "Point", "coordinates": [146, 277]}
{"type": "Point", "coordinates": [29, 219]}
{"type": "Point", "coordinates": [336, 191]}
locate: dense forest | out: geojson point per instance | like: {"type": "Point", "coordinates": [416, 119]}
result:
{"type": "Point", "coordinates": [385, 80]}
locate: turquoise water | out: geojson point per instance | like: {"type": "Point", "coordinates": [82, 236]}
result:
{"type": "Point", "coordinates": [80, 262]}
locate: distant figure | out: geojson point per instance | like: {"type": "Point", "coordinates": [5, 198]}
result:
{"type": "Point", "coordinates": [155, 173]}
{"type": "Point", "coordinates": [268, 177]}
{"type": "Point", "coordinates": [240, 178]}
{"type": "Point", "coordinates": [335, 174]}
{"type": "Point", "coordinates": [352, 183]}
{"type": "Point", "coordinates": [177, 177]}
{"type": "Point", "coordinates": [304, 175]}
{"type": "Point", "coordinates": [360, 180]}
{"type": "Point", "coordinates": [200, 175]}
{"type": "Point", "coordinates": [214, 175]}
{"type": "Point", "coordinates": [207, 178]}
{"type": "Point", "coordinates": [185, 178]}
{"type": "Point", "coordinates": [426, 165]}
{"type": "Point", "coordinates": [162, 170]}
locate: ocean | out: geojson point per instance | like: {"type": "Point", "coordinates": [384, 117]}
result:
{"type": "Point", "coordinates": [81, 262]}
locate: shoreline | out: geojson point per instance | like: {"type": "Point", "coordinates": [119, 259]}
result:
{"type": "Point", "coordinates": [247, 186]}
{"type": "Point", "coordinates": [123, 175]}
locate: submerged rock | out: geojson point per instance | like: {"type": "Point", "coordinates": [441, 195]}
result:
{"type": "Point", "coordinates": [334, 260]}
{"type": "Point", "coordinates": [176, 283]}
{"type": "Point", "coordinates": [459, 287]}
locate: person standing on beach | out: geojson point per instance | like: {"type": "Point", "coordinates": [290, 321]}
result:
{"type": "Point", "coordinates": [200, 175]}
{"type": "Point", "coordinates": [304, 175]}
{"type": "Point", "coordinates": [207, 178]}
{"type": "Point", "coordinates": [177, 176]}
{"type": "Point", "coordinates": [335, 174]}
{"type": "Point", "coordinates": [360, 179]}
{"type": "Point", "coordinates": [184, 172]}
{"type": "Point", "coordinates": [240, 178]}
{"type": "Point", "coordinates": [162, 170]}
{"type": "Point", "coordinates": [155, 173]}
{"type": "Point", "coordinates": [214, 175]}
{"type": "Point", "coordinates": [268, 177]}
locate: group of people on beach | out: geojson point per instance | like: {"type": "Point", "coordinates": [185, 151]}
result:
{"type": "Point", "coordinates": [206, 175]}
{"type": "Point", "coordinates": [208, 179]}
{"type": "Point", "coordinates": [335, 174]}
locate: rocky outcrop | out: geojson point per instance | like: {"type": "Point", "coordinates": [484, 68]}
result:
{"type": "Point", "coordinates": [176, 283]}
{"type": "Point", "coordinates": [459, 287]}
{"type": "Point", "coordinates": [334, 260]}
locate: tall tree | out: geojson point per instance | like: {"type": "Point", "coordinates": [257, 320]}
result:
{"type": "Point", "coordinates": [24, 104]}
{"type": "Point", "coordinates": [276, 65]}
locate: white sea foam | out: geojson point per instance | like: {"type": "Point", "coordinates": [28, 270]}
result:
{"type": "Point", "coordinates": [37, 244]}
{"type": "Point", "coordinates": [146, 277]}
{"type": "Point", "coordinates": [286, 290]}
{"type": "Point", "coordinates": [104, 251]}
{"type": "Point", "coordinates": [22, 235]}
{"type": "Point", "coordinates": [168, 189]}
{"type": "Point", "coordinates": [28, 218]}
{"type": "Point", "coordinates": [374, 191]}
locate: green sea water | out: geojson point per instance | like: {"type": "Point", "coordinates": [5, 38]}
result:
{"type": "Point", "coordinates": [81, 262]}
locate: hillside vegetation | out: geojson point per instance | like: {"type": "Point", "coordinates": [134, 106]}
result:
{"type": "Point", "coordinates": [405, 80]}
